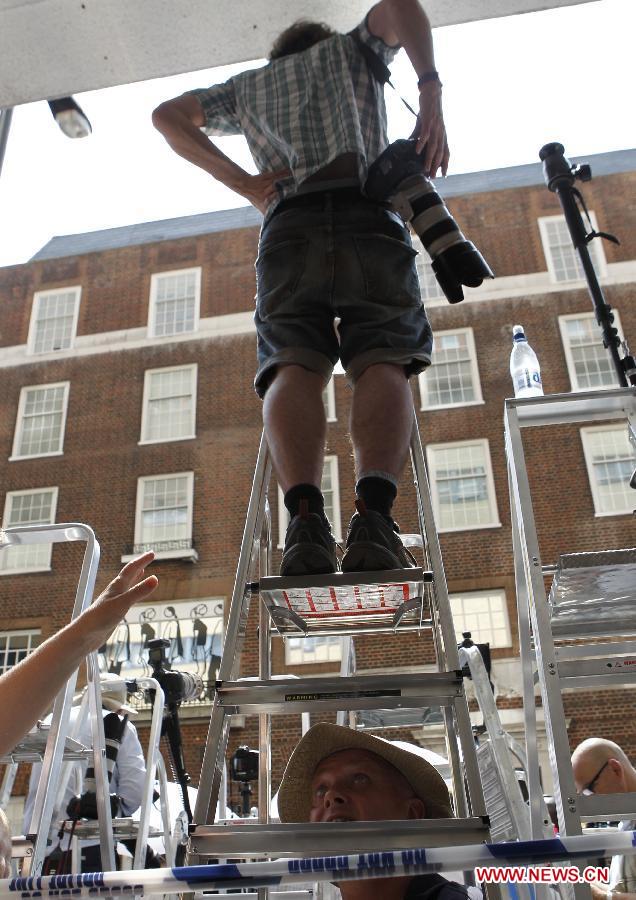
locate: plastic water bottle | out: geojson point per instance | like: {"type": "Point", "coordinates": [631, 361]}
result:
{"type": "Point", "coordinates": [524, 366]}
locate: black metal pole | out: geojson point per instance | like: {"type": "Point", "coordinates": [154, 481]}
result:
{"type": "Point", "coordinates": [560, 176]}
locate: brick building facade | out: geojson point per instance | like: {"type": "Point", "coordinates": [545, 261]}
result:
{"type": "Point", "coordinates": [127, 360]}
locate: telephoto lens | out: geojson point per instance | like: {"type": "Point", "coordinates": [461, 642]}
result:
{"type": "Point", "coordinates": [192, 686]}
{"type": "Point", "coordinates": [396, 176]}
{"type": "Point", "coordinates": [178, 687]}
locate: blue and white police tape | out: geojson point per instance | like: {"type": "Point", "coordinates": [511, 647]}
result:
{"type": "Point", "coordinates": [380, 864]}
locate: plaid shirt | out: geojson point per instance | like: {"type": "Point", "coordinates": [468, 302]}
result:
{"type": "Point", "coordinates": [304, 110]}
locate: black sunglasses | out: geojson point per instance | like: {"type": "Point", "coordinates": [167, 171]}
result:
{"type": "Point", "coordinates": [589, 787]}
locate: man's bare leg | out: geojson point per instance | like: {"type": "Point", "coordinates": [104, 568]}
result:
{"type": "Point", "coordinates": [381, 425]}
{"type": "Point", "coordinates": [295, 427]}
{"type": "Point", "coordinates": [381, 420]}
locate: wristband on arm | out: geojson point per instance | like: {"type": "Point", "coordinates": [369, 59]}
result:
{"type": "Point", "coordinates": [433, 75]}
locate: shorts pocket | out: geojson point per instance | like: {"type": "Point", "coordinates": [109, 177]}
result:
{"type": "Point", "coordinates": [388, 269]}
{"type": "Point", "coordinates": [279, 268]}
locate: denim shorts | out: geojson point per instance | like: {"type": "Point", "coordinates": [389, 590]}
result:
{"type": "Point", "coordinates": [335, 255]}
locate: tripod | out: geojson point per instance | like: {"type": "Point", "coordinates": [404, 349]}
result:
{"type": "Point", "coordinates": [560, 175]}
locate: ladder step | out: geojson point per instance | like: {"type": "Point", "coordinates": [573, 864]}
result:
{"type": "Point", "coordinates": [33, 746]}
{"type": "Point", "coordinates": [607, 807]}
{"type": "Point", "coordinates": [597, 672]}
{"type": "Point", "coordinates": [322, 838]}
{"type": "Point", "coordinates": [593, 593]}
{"type": "Point", "coordinates": [291, 695]}
{"type": "Point", "coordinates": [611, 649]}
{"type": "Point", "coordinates": [304, 603]}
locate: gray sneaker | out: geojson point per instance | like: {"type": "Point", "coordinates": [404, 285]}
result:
{"type": "Point", "coordinates": [373, 543]}
{"type": "Point", "coordinates": [310, 548]}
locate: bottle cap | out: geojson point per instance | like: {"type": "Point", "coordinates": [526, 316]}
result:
{"type": "Point", "coordinates": [518, 333]}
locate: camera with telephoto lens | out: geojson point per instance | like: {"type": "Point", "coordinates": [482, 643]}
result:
{"type": "Point", "coordinates": [178, 687]}
{"type": "Point", "coordinates": [396, 176]}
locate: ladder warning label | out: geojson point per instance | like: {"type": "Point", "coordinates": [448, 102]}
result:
{"type": "Point", "coordinates": [340, 695]}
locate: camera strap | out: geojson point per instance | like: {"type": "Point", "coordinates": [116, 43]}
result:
{"type": "Point", "coordinates": [114, 727]}
{"type": "Point", "coordinates": [377, 68]}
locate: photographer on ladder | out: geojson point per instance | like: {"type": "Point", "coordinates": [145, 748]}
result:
{"type": "Point", "coordinates": [314, 119]}
{"type": "Point", "coordinates": [126, 773]}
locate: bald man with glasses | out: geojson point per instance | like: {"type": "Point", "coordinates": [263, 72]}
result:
{"type": "Point", "coordinates": [602, 767]}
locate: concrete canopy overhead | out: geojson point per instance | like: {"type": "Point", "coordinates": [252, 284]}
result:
{"type": "Point", "coordinates": [53, 48]}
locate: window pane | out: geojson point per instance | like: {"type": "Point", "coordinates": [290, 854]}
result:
{"type": "Point", "coordinates": [429, 286]}
{"type": "Point", "coordinates": [54, 325]}
{"type": "Point", "coordinates": [175, 301]}
{"type": "Point", "coordinates": [565, 260]}
{"type": "Point", "coordinates": [15, 645]}
{"type": "Point", "coordinates": [612, 465]}
{"type": "Point", "coordinates": [449, 379]}
{"type": "Point", "coordinates": [164, 514]}
{"type": "Point", "coordinates": [313, 650]}
{"type": "Point", "coordinates": [170, 405]}
{"type": "Point", "coordinates": [484, 614]}
{"type": "Point", "coordinates": [28, 509]}
{"type": "Point", "coordinates": [461, 481]}
{"type": "Point", "coordinates": [592, 363]}
{"type": "Point", "coordinates": [42, 420]}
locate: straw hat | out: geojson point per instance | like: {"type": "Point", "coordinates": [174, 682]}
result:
{"type": "Point", "coordinates": [114, 694]}
{"type": "Point", "coordinates": [294, 795]}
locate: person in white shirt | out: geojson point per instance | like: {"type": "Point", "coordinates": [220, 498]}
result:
{"type": "Point", "coordinates": [126, 778]}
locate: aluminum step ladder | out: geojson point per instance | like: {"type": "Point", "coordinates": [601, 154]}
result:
{"type": "Point", "coordinates": [56, 744]}
{"type": "Point", "coordinates": [53, 759]}
{"type": "Point", "coordinates": [591, 601]}
{"type": "Point", "coordinates": [414, 599]}
{"type": "Point", "coordinates": [500, 757]}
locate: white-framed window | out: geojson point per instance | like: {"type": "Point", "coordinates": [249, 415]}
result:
{"type": "Point", "coordinates": [329, 400]}
{"type": "Point", "coordinates": [610, 461]}
{"type": "Point", "coordinates": [330, 488]}
{"type": "Point", "coordinates": [562, 259]}
{"type": "Point", "coordinates": [452, 379]}
{"type": "Point", "coordinates": [192, 628]}
{"type": "Point", "coordinates": [169, 404]}
{"type": "Point", "coordinates": [429, 285]}
{"type": "Point", "coordinates": [54, 320]}
{"type": "Point", "coordinates": [589, 363]}
{"type": "Point", "coordinates": [462, 485]}
{"type": "Point", "coordinates": [41, 420]}
{"type": "Point", "coordinates": [163, 521]}
{"type": "Point", "coordinates": [484, 614]}
{"type": "Point", "coordinates": [16, 645]}
{"type": "Point", "coordinates": [320, 649]}
{"type": "Point", "coordinates": [174, 302]}
{"type": "Point", "coordinates": [33, 507]}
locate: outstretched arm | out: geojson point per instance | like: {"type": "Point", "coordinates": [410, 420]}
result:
{"type": "Point", "coordinates": [28, 689]}
{"type": "Point", "coordinates": [405, 22]}
{"type": "Point", "coordinates": [180, 121]}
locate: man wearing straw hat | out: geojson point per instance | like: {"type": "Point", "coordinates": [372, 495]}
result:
{"type": "Point", "coordinates": [337, 774]}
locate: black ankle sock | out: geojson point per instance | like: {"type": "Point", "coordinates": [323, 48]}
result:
{"type": "Point", "coordinates": [308, 492]}
{"type": "Point", "coordinates": [377, 493]}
